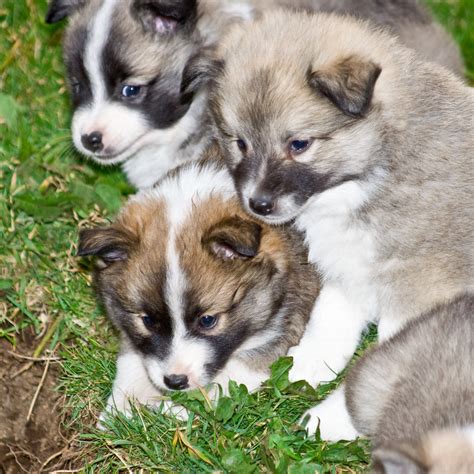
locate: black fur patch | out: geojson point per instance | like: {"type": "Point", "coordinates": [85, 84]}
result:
{"type": "Point", "coordinates": [124, 313]}
{"type": "Point", "coordinates": [286, 177]}
{"type": "Point", "coordinates": [184, 12]}
{"type": "Point", "coordinates": [79, 83]}
{"type": "Point", "coordinates": [160, 103]}
{"type": "Point", "coordinates": [60, 9]}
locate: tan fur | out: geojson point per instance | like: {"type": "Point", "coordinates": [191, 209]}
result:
{"type": "Point", "coordinates": [418, 109]}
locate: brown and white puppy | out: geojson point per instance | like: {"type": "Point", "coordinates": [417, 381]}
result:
{"type": "Point", "coordinates": [414, 394]}
{"type": "Point", "coordinates": [333, 123]}
{"type": "Point", "coordinates": [134, 70]}
{"type": "Point", "coordinates": [199, 291]}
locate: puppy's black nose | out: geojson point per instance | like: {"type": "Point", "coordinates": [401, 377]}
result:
{"type": "Point", "coordinates": [262, 206]}
{"type": "Point", "coordinates": [176, 382]}
{"type": "Point", "coordinates": [93, 141]}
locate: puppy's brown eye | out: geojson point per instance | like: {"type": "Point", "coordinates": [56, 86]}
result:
{"type": "Point", "coordinates": [242, 146]}
{"type": "Point", "coordinates": [299, 146]}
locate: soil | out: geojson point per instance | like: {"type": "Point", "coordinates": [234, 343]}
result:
{"type": "Point", "coordinates": [26, 446]}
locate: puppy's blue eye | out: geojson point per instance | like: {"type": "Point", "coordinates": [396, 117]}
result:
{"type": "Point", "coordinates": [242, 146]}
{"type": "Point", "coordinates": [207, 321]}
{"type": "Point", "coordinates": [148, 321]}
{"type": "Point", "coordinates": [299, 146]}
{"type": "Point", "coordinates": [131, 91]}
{"type": "Point", "coordinates": [76, 88]}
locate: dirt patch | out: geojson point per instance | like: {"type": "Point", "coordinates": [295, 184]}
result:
{"type": "Point", "coordinates": [30, 445]}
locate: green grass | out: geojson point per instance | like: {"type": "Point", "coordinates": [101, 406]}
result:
{"type": "Point", "coordinates": [46, 192]}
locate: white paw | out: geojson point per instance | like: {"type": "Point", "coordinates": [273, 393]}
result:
{"type": "Point", "coordinates": [333, 419]}
{"type": "Point", "coordinates": [178, 411]}
{"type": "Point", "coordinates": [122, 404]}
{"type": "Point", "coordinates": [307, 367]}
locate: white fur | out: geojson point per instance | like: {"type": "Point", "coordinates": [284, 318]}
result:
{"type": "Point", "coordinates": [192, 185]}
{"type": "Point", "coordinates": [99, 32]}
{"type": "Point", "coordinates": [239, 9]}
{"type": "Point", "coordinates": [153, 155]}
{"type": "Point", "coordinates": [330, 338]}
{"type": "Point", "coordinates": [343, 251]}
{"type": "Point", "coordinates": [259, 340]}
{"type": "Point", "coordinates": [332, 417]}
{"type": "Point", "coordinates": [468, 432]}
{"type": "Point", "coordinates": [131, 383]}
{"type": "Point", "coordinates": [240, 373]}
{"type": "Point", "coordinates": [132, 386]}
{"type": "Point", "coordinates": [120, 126]}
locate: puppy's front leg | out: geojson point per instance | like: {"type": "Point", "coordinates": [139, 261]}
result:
{"type": "Point", "coordinates": [242, 374]}
{"type": "Point", "coordinates": [332, 417]}
{"type": "Point", "coordinates": [131, 383]}
{"type": "Point", "coordinates": [330, 338]}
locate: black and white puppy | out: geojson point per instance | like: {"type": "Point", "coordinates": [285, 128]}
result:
{"type": "Point", "coordinates": [128, 64]}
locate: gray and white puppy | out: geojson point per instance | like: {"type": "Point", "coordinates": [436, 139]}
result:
{"type": "Point", "coordinates": [414, 394]}
{"type": "Point", "coordinates": [134, 70]}
{"type": "Point", "coordinates": [333, 123]}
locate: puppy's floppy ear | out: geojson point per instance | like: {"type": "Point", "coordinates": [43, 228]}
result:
{"type": "Point", "coordinates": [60, 9]}
{"type": "Point", "coordinates": [233, 239]}
{"type": "Point", "coordinates": [201, 68]}
{"type": "Point", "coordinates": [165, 17]}
{"type": "Point", "coordinates": [109, 243]}
{"type": "Point", "coordinates": [349, 84]}
{"type": "Point", "coordinates": [398, 459]}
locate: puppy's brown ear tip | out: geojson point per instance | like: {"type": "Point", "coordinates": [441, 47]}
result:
{"type": "Point", "coordinates": [108, 243]}
{"type": "Point", "coordinates": [234, 239]}
{"type": "Point", "coordinates": [83, 249]}
{"type": "Point", "coordinates": [348, 83]}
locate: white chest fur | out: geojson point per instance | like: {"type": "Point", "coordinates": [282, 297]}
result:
{"type": "Point", "coordinates": [160, 150]}
{"type": "Point", "coordinates": [340, 244]}
{"type": "Point", "coordinates": [342, 247]}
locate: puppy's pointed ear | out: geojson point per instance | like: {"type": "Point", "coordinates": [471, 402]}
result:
{"type": "Point", "coordinates": [201, 68]}
{"type": "Point", "coordinates": [60, 9]}
{"type": "Point", "coordinates": [233, 239]}
{"type": "Point", "coordinates": [110, 244]}
{"type": "Point", "coordinates": [165, 17]}
{"type": "Point", "coordinates": [398, 459]}
{"type": "Point", "coordinates": [349, 84]}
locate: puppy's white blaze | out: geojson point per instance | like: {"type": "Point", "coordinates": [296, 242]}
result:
{"type": "Point", "coordinates": [187, 355]}
{"type": "Point", "coordinates": [99, 32]}
{"type": "Point", "coordinates": [194, 184]}
{"type": "Point", "coordinates": [190, 356]}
